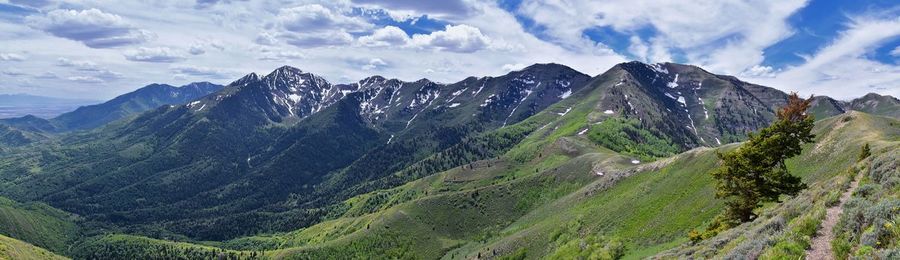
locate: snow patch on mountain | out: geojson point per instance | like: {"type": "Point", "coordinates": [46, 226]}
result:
{"type": "Point", "coordinates": [566, 94]}
{"type": "Point", "coordinates": [674, 83]}
{"type": "Point", "coordinates": [294, 97]}
{"type": "Point", "coordinates": [659, 68]}
{"type": "Point", "coordinates": [488, 100]}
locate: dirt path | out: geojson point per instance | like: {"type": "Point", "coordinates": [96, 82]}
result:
{"type": "Point", "coordinates": [821, 244]}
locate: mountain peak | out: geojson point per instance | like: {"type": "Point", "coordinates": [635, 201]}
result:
{"type": "Point", "coordinates": [198, 84]}
{"type": "Point", "coordinates": [252, 77]}
{"type": "Point", "coordinates": [876, 96]}
{"type": "Point", "coordinates": [424, 81]}
{"type": "Point", "coordinates": [155, 86]}
{"type": "Point", "coordinates": [543, 66]}
{"type": "Point", "coordinates": [374, 78]}
{"type": "Point", "coordinates": [285, 70]}
{"type": "Point", "coordinates": [288, 75]}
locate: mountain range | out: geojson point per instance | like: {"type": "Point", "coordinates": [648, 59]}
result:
{"type": "Point", "coordinates": [293, 165]}
{"type": "Point", "coordinates": [93, 116]}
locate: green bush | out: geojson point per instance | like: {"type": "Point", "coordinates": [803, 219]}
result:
{"type": "Point", "coordinates": [841, 247]}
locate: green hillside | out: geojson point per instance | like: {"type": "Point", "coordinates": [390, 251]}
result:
{"type": "Point", "coordinates": [783, 230]}
{"type": "Point", "coordinates": [545, 198]}
{"type": "Point", "coordinates": [544, 204]}
{"type": "Point", "coordinates": [870, 224]}
{"type": "Point", "coordinates": [14, 249]}
{"type": "Point", "coordinates": [38, 224]}
{"type": "Point", "coordinates": [136, 247]}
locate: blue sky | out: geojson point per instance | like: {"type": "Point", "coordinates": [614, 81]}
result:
{"type": "Point", "coordinates": [102, 48]}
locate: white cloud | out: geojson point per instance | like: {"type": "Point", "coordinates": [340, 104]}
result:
{"type": "Point", "coordinates": [11, 57]}
{"type": "Point", "coordinates": [896, 52]}
{"type": "Point", "coordinates": [455, 38]}
{"type": "Point", "coordinates": [282, 55]}
{"type": "Point", "coordinates": [109, 75]}
{"type": "Point", "coordinates": [318, 39]}
{"type": "Point", "coordinates": [387, 36]}
{"type": "Point", "coordinates": [13, 72]}
{"type": "Point", "coordinates": [85, 79]}
{"type": "Point", "coordinates": [33, 3]}
{"type": "Point", "coordinates": [759, 72]}
{"type": "Point", "coordinates": [840, 69]}
{"type": "Point", "coordinates": [443, 7]}
{"type": "Point", "coordinates": [47, 75]}
{"type": "Point", "coordinates": [200, 47]}
{"type": "Point", "coordinates": [317, 18]}
{"type": "Point", "coordinates": [638, 48]}
{"type": "Point", "coordinates": [726, 36]}
{"type": "Point", "coordinates": [91, 67]}
{"type": "Point", "coordinates": [513, 67]}
{"type": "Point", "coordinates": [196, 49]}
{"type": "Point", "coordinates": [83, 65]}
{"type": "Point", "coordinates": [156, 54]}
{"type": "Point", "coordinates": [313, 25]}
{"type": "Point", "coordinates": [92, 27]}
{"type": "Point", "coordinates": [201, 71]}
{"type": "Point", "coordinates": [375, 64]}
{"type": "Point", "coordinates": [266, 38]}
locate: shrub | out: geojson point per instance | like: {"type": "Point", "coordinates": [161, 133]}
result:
{"type": "Point", "coordinates": [841, 246]}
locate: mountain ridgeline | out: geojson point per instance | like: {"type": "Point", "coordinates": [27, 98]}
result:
{"type": "Point", "coordinates": [127, 105]}
{"type": "Point", "coordinates": [273, 148]}
{"type": "Point", "coordinates": [872, 103]}
{"type": "Point", "coordinates": [290, 151]}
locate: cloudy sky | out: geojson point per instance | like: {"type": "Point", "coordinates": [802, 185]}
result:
{"type": "Point", "coordinates": [98, 49]}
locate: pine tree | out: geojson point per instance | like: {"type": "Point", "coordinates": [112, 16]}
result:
{"type": "Point", "coordinates": [756, 172]}
{"type": "Point", "coordinates": [865, 152]}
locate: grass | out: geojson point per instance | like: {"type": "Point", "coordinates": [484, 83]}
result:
{"type": "Point", "coordinates": [38, 224]}
{"type": "Point", "coordinates": [868, 227]}
{"type": "Point", "coordinates": [544, 196]}
{"type": "Point", "coordinates": [783, 230]}
{"type": "Point", "coordinates": [14, 249]}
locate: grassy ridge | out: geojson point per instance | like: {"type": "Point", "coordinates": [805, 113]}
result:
{"type": "Point", "coordinates": [783, 230]}
{"type": "Point", "coordinates": [38, 224]}
{"type": "Point", "coordinates": [869, 227]}
{"type": "Point", "coordinates": [119, 246]}
{"type": "Point", "coordinates": [647, 209]}
{"type": "Point", "coordinates": [11, 248]}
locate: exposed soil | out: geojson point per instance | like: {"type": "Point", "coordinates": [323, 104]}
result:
{"type": "Point", "coordinates": [821, 244]}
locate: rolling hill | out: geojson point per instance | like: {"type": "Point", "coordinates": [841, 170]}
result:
{"type": "Point", "coordinates": [37, 224]}
{"type": "Point", "coordinates": [14, 249]}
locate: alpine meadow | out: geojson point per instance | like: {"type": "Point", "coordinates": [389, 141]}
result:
{"type": "Point", "coordinates": [458, 129]}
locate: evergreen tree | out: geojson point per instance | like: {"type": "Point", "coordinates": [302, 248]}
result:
{"type": "Point", "coordinates": [756, 172]}
{"type": "Point", "coordinates": [865, 152]}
